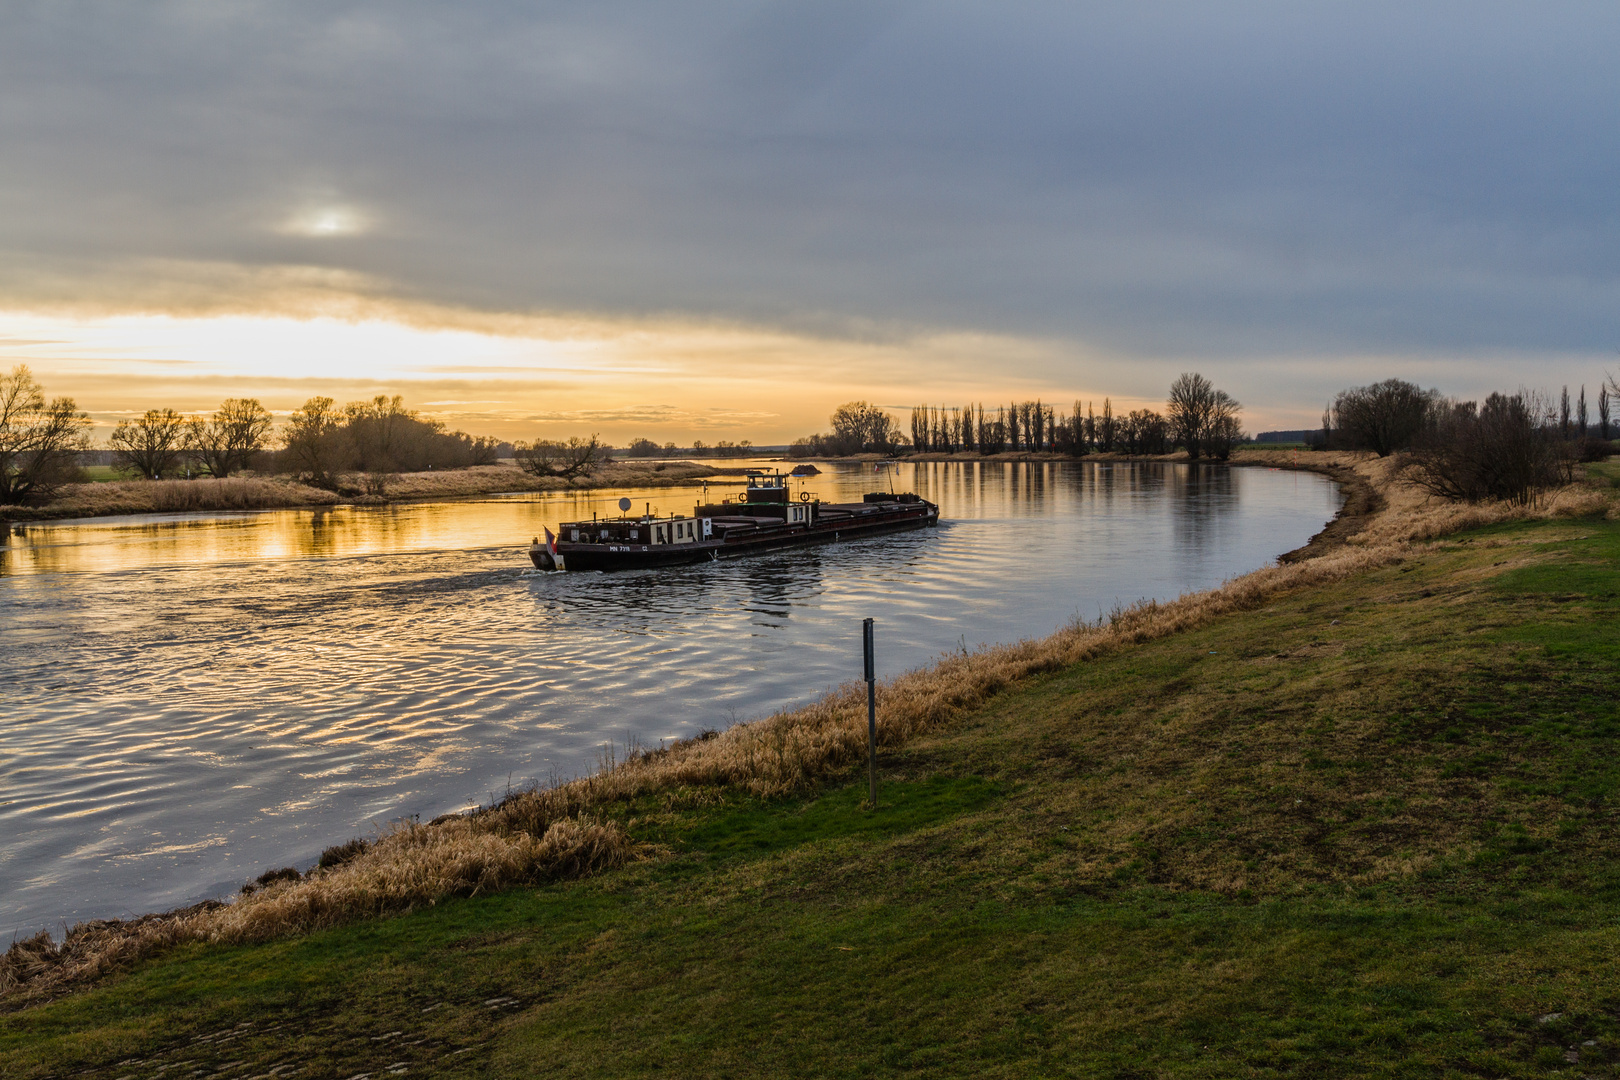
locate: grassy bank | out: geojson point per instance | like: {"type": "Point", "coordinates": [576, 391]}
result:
{"type": "Point", "coordinates": [102, 498]}
{"type": "Point", "coordinates": [1351, 816]}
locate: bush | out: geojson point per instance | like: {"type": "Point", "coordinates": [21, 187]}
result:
{"type": "Point", "coordinates": [576, 457]}
{"type": "Point", "coordinates": [1501, 450]}
{"type": "Point", "coordinates": [1590, 449]}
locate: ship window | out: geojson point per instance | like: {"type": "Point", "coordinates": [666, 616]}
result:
{"type": "Point", "coordinates": [574, 535]}
{"type": "Point", "coordinates": [635, 534]}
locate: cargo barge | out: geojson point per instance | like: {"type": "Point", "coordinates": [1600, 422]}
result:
{"type": "Point", "coordinates": [766, 517]}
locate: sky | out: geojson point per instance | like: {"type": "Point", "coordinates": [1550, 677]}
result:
{"type": "Point", "coordinates": [689, 220]}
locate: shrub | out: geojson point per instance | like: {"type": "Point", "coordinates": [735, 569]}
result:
{"type": "Point", "coordinates": [576, 457]}
{"type": "Point", "coordinates": [1503, 449]}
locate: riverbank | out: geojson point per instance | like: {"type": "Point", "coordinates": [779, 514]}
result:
{"type": "Point", "coordinates": [124, 497]}
{"type": "Point", "coordinates": [1235, 834]}
{"type": "Point", "coordinates": [278, 493]}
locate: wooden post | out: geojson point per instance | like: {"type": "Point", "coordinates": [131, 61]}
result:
{"type": "Point", "coordinates": [871, 714]}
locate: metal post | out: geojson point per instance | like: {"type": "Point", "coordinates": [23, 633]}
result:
{"type": "Point", "coordinates": [871, 714]}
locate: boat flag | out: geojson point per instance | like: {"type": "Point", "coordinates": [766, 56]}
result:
{"type": "Point", "coordinates": [551, 541]}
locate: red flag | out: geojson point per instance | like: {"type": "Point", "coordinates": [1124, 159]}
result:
{"type": "Point", "coordinates": [551, 541]}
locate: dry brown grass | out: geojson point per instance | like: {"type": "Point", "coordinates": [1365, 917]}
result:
{"type": "Point", "coordinates": [506, 476]}
{"type": "Point", "coordinates": [168, 496]}
{"type": "Point", "coordinates": [551, 833]}
{"type": "Point", "coordinates": [273, 493]}
{"type": "Point", "coordinates": [408, 866]}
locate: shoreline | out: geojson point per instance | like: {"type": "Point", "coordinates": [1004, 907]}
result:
{"type": "Point", "coordinates": [123, 498]}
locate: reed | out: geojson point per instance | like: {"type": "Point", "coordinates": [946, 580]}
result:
{"type": "Point", "coordinates": [564, 831]}
{"type": "Point", "coordinates": [167, 496]}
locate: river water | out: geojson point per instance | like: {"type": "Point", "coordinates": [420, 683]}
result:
{"type": "Point", "coordinates": [191, 699]}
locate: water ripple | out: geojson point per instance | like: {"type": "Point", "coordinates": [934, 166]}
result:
{"type": "Point", "coordinates": [194, 698]}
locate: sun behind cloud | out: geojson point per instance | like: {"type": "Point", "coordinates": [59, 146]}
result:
{"type": "Point", "coordinates": [328, 220]}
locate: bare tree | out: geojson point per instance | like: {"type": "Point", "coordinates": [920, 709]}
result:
{"type": "Point", "coordinates": [151, 446]}
{"type": "Point", "coordinates": [1501, 450]}
{"type": "Point", "coordinates": [1143, 432]}
{"type": "Point", "coordinates": [1202, 418]}
{"type": "Point", "coordinates": [38, 440]}
{"type": "Point", "coordinates": [226, 441]}
{"type": "Point", "coordinates": [385, 433]}
{"type": "Point", "coordinates": [858, 426]}
{"type": "Point", "coordinates": [318, 445]}
{"type": "Point", "coordinates": [564, 460]}
{"type": "Point", "coordinates": [919, 429]}
{"type": "Point", "coordinates": [1581, 425]}
{"type": "Point", "coordinates": [1603, 411]}
{"type": "Point", "coordinates": [984, 437]}
{"type": "Point", "coordinates": [1563, 413]}
{"type": "Point", "coordinates": [1105, 427]}
{"type": "Point", "coordinates": [1191, 399]}
{"type": "Point", "coordinates": [1384, 417]}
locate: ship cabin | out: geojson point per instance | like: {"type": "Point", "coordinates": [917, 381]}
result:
{"type": "Point", "coordinates": [767, 499]}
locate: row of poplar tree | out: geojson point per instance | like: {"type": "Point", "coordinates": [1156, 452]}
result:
{"type": "Point", "coordinates": [1197, 417]}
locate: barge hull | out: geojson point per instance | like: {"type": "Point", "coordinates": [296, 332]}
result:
{"type": "Point", "coordinates": [577, 556]}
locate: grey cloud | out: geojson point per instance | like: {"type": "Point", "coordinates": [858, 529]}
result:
{"type": "Point", "coordinates": [1188, 180]}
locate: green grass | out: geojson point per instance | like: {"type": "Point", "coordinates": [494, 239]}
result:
{"type": "Point", "coordinates": [1369, 831]}
{"type": "Point", "coordinates": [1605, 470]}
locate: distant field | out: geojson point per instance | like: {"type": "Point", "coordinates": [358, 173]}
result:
{"type": "Point", "coordinates": [100, 474]}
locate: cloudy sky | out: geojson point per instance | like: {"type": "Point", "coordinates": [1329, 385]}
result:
{"type": "Point", "coordinates": [690, 219]}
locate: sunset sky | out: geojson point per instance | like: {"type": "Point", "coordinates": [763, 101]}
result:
{"type": "Point", "coordinates": [720, 220]}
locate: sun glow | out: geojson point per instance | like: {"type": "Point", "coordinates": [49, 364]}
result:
{"type": "Point", "coordinates": [325, 221]}
{"type": "Point", "coordinates": [512, 376]}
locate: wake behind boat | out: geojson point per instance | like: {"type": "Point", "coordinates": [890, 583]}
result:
{"type": "Point", "coordinates": [765, 518]}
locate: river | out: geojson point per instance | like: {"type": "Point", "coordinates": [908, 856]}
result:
{"type": "Point", "coordinates": [191, 699]}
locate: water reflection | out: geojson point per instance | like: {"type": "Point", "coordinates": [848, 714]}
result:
{"type": "Point", "coordinates": [193, 698]}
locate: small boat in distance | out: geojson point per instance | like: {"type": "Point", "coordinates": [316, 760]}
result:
{"type": "Point", "coordinates": [764, 518]}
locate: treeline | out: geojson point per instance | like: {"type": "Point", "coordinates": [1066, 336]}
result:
{"type": "Point", "coordinates": [319, 442]}
{"type": "Point", "coordinates": [646, 448]}
{"type": "Point", "coordinates": [40, 442]}
{"type": "Point", "coordinates": [1034, 427]}
{"type": "Point", "coordinates": [1198, 418]}
{"type": "Point", "coordinates": [1510, 446]}
{"type": "Point", "coordinates": [379, 437]}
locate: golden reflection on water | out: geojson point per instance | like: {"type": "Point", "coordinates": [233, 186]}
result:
{"type": "Point", "coordinates": [193, 698]}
